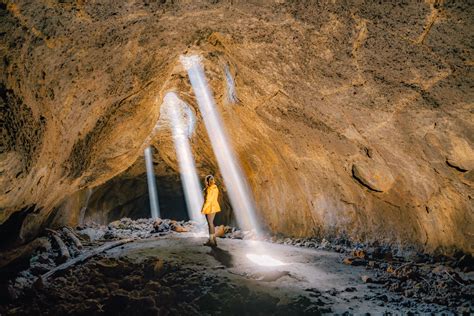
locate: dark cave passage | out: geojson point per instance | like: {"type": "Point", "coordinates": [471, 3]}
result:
{"type": "Point", "coordinates": [128, 197]}
{"type": "Point", "coordinates": [171, 198]}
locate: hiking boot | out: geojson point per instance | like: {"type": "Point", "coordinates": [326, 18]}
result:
{"type": "Point", "coordinates": [211, 242]}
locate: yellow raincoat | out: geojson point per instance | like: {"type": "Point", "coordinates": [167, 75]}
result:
{"type": "Point", "coordinates": [210, 204]}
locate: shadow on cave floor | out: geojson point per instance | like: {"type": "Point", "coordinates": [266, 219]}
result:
{"type": "Point", "coordinates": [222, 256]}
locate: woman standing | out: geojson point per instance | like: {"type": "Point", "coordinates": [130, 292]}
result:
{"type": "Point", "coordinates": [210, 208]}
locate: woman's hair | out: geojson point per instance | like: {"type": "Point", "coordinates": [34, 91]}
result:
{"type": "Point", "coordinates": [208, 179]}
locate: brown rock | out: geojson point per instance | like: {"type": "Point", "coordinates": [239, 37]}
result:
{"type": "Point", "coordinates": [359, 254]}
{"type": "Point", "coordinates": [461, 155]}
{"type": "Point", "coordinates": [390, 269]}
{"type": "Point", "coordinates": [115, 224]}
{"type": "Point", "coordinates": [375, 176]}
{"type": "Point", "coordinates": [469, 176]}
{"type": "Point", "coordinates": [178, 228]}
{"type": "Point", "coordinates": [354, 261]}
{"type": "Point", "coordinates": [348, 261]}
{"type": "Point", "coordinates": [158, 268]}
{"type": "Point", "coordinates": [220, 231]}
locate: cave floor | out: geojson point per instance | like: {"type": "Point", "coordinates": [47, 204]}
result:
{"type": "Point", "coordinates": [176, 274]}
{"type": "Point", "coordinates": [320, 276]}
{"type": "Point", "coordinates": [224, 281]}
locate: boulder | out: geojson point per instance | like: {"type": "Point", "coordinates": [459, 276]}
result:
{"type": "Point", "coordinates": [220, 231]}
{"type": "Point", "coordinates": [373, 175]}
{"type": "Point", "coordinates": [461, 156]}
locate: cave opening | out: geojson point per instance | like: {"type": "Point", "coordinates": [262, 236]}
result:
{"type": "Point", "coordinates": [126, 196]}
{"type": "Point", "coordinates": [10, 229]}
{"type": "Point", "coordinates": [171, 198]}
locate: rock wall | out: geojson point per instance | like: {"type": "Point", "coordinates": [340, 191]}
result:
{"type": "Point", "coordinates": [352, 117]}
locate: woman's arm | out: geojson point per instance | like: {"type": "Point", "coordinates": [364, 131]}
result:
{"type": "Point", "coordinates": [207, 199]}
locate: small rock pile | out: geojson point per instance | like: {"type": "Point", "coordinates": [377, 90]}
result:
{"type": "Point", "coordinates": [139, 229]}
{"type": "Point", "coordinates": [445, 281]}
{"type": "Point", "coordinates": [51, 250]}
{"type": "Point", "coordinates": [338, 244]}
{"type": "Point", "coordinates": [63, 244]}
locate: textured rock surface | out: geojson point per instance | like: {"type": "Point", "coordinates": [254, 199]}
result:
{"type": "Point", "coordinates": [374, 175]}
{"type": "Point", "coordinates": [321, 88]}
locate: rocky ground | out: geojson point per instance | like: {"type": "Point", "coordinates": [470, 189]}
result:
{"type": "Point", "coordinates": [165, 270]}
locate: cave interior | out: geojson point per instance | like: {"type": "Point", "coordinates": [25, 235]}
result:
{"type": "Point", "coordinates": [339, 134]}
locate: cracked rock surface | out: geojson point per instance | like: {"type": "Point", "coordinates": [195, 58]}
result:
{"type": "Point", "coordinates": [307, 90]}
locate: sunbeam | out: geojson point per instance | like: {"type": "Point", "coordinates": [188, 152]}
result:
{"type": "Point", "coordinates": [234, 179]}
{"type": "Point", "coordinates": [176, 110]}
{"type": "Point", "coordinates": [150, 175]}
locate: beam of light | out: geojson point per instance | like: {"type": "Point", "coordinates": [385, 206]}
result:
{"type": "Point", "coordinates": [264, 260]}
{"type": "Point", "coordinates": [239, 193]}
{"type": "Point", "coordinates": [199, 234]}
{"type": "Point", "coordinates": [150, 176]}
{"type": "Point", "coordinates": [231, 93]}
{"type": "Point", "coordinates": [176, 110]}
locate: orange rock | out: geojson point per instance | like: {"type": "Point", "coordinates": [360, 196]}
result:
{"type": "Point", "coordinates": [179, 229]}
{"type": "Point", "coordinates": [359, 254]}
{"type": "Point", "coordinates": [220, 231]}
{"type": "Point", "coordinates": [348, 261]}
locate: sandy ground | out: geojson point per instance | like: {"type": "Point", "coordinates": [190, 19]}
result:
{"type": "Point", "coordinates": [318, 275]}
